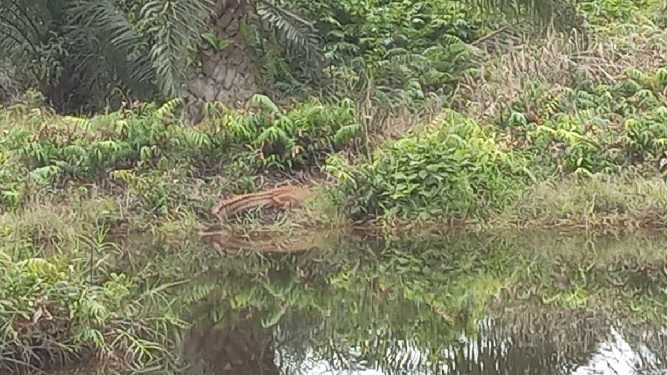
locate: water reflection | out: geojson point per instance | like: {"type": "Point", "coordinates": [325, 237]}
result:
{"type": "Point", "coordinates": [498, 347]}
{"type": "Point", "coordinates": [436, 306]}
{"type": "Point", "coordinates": [240, 348]}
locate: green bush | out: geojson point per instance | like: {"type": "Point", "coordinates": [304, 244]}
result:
{"type": "Point", "coordinates": [402, 51]}
{"type": "Point", "coordinates": [452, 168]}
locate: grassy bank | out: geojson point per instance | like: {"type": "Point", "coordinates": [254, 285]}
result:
{"type": "Point", "coordinates": [575, 144]}
{"type": "Point", "coordinates": [133, 172]}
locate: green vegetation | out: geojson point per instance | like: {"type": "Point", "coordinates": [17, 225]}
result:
{"type": "Point", "coordinates": [595, 138]}
{"type": "Point", "coordinates": [61, 308]}
{"type": "Point", "coordinates": [155, 162]}
{"type": "Point", "coordinates": [73, 189]}
{"type": "Point", "coordinates": [588, 121]}
{"type": "Point", "coordinates": [404, 116]}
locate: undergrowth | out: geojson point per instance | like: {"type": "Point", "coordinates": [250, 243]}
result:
{"type": "Point", "coordinates": [456, 168]}
{"type": "Point", "coordinates": [61, 308]}
{"type": "Point", "coordinates": [151, 159]}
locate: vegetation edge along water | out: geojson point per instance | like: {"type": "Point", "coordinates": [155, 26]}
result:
{"type": "Point", "coordinates": [450, 171]}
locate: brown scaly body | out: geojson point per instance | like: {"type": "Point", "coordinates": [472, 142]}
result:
{"type": "Point", "coordinates": [281, 197]}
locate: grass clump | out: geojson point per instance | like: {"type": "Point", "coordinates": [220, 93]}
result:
{"type": "Point", "coordinates": [60, 309]}
{"type": "Point", "coordinates": [599, 203]}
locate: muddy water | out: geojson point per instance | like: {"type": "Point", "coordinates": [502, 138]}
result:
{"type": "Point", "coordinates": [456, 305]}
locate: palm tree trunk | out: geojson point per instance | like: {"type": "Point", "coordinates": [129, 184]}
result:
{"type": "Point", "coordinates": [239, 349]}
{"type": "Point", "coordinates": [225, 75]}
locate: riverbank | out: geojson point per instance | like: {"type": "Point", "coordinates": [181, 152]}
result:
{"type": "Point", "coordinates": [574, 147]}
{"type": "Point", "coordinates": [599, 204]}
{"type": "Point", "coordinates": [61, 179]}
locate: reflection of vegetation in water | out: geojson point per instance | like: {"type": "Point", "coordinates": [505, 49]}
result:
{"type": "Point", "coordinates": [267, 241]}
{"type": "Point", "coordinates": [241, 347]}
{"type": "Point", "coordinates": [356, 268]}
{"type": "Point", "coordinates": [373, 297]}
{"type": "Point", "coordinates": [365, 295]}
{"type": "Point", "coordinates": [621, 275]}
{"type": "Point", "coordinates": [519, 342]}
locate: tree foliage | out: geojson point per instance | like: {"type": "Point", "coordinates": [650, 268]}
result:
{"type": "Point", "coordinates": [86, 54]}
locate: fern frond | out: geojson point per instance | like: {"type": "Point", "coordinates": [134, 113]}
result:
{"type": "Point", "coordinates": [169, 108]}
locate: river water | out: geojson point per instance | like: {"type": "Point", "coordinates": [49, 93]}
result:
{"type": "Point", "coordinates": [461, 304]}
{"type": "Point", "coordinates": [539, 304]}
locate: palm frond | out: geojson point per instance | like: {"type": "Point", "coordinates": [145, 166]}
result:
{"type": "Point", "coordinates": [290, 29]}
{"type": "Point", "coordinates": [22, 25]}
{"type": "Point", "coordinates": [175, 27]}
{"type": "Point", "coordinates": [170, 27]}
{"type": "Point", "coordinates": [106, 39]}
{"type": "Point", "coordinates": [101, 67]}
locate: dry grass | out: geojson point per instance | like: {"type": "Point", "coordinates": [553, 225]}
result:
{"type": "Point", "coordinates": [554, 61]}
{"type": "Point", "coordinates": [63, 222]}
{"type": "Point", "coordinates": [600, 204]}
{"type": "Point", "coordinates": [57, 224]}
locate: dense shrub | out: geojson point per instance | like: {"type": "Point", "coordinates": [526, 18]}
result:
{"type": "Point", "coordinates": [451, 168]}
{"type": "Point", "coordinates": [592, 128]}
{"type": "Point", "coordinates": [415, 57]}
